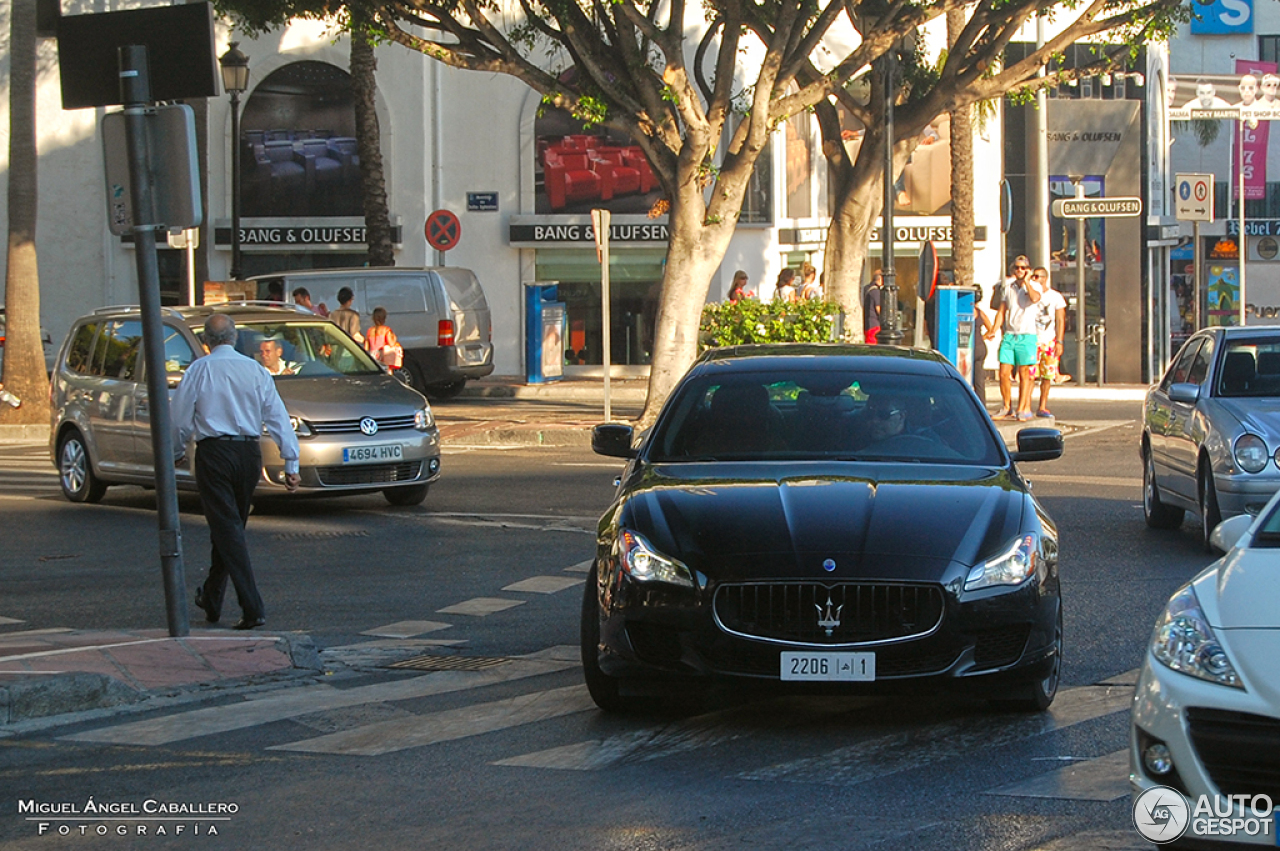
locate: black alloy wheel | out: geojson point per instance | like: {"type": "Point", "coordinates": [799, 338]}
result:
{"type": "Point", "coordinates": [1210, 513]}
{"type": "Point", "coordinates": [603, 688]}
{"type": "Point", "coordinates": [1038, 696]}
{"type": "Point", "coordinates": [1154, 511]}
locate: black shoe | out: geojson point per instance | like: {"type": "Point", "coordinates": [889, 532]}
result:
{"type": "Point", "coordinates": [249, 623]}
{"type": "Point", "coordinates": [211, 614]}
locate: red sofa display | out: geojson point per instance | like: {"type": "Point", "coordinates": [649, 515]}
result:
{"type": "Point", "coordinates": [568, 178]}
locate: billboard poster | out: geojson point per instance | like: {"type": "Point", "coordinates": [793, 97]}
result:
{"type": "Point", "coordinates": [1251, 95]}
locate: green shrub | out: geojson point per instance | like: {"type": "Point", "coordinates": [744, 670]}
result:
{"type": "Point", "coordinates": [751, 321]}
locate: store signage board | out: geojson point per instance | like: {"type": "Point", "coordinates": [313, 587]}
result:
{"type": "Point", "coordinates": [1093, 208]}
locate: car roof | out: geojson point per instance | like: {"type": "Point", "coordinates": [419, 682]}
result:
{"type": "Point", "coordinates": [1233, 332]}
{"type": "Point", "coordinates": [809, 357]}
{"type": "Point", "coordinates": [240, 311]}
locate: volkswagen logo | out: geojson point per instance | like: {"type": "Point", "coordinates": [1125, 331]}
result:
{"type": "Point", "coordinates": [369, 425]}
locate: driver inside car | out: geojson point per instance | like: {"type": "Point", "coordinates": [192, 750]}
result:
{"type": "Point", "coordinates": [885, 417]}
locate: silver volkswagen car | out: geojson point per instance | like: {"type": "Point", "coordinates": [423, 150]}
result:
{"type": "Point", "coordinates": [1211, 429]}
{"type": "Point", "coordinates": [359, 428]}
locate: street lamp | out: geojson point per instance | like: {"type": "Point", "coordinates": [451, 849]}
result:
{"type": "Point", "coordinates": [235, 80]}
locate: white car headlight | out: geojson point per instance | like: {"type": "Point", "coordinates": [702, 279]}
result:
{"type": "Point", "coordinates": [1251, 453]}
{"type": "Point", "coordinates": [645, 564]}
{"type": "Point", "coordinates": [1015, 565]}
{"type": "Point", "coordinates": [300, 427]}
{"type": "Point", "coordinates": [1184, 641]}
{"type": "Point", "coordinates": [423, 419]}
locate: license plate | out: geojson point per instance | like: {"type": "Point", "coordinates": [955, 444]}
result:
{"type": "Point", "coordinates": [828, 667]}
{"type": "Point", "coordinates": [372, 454]}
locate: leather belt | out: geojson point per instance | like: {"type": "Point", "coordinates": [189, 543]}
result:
{"type": "Point", "coordinates": [237, 438]}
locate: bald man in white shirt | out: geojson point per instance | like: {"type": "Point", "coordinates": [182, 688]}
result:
{"type": "Point", "coordinates": [223, 402]}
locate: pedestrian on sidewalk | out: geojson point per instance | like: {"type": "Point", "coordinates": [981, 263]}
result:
{"type": "Point", "coordinates": [810, 288]}
{"type": "Point", "coordinates": [872, 298]}
{"type": "Point", "coordinates": [1016, 318]}
{"type": "Point", "coordinates": [346, 318]}
{"type": "Point", "coordinates": [1051, 324]}
{"type": "Point", "coordinates": [223, 401]}
{"type": "Point", "coordinates": [738, 289]}
{"type": "Point", "coordinates": [381, 342]}
{"type": "Point", "coordinates": [785, 290]}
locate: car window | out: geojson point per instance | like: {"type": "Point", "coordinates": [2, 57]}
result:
{"type": "Point", "coordinates": [1268, 531]}
{"type": "Point", "coordinates": [121, 343]}
{"type": "Point", "coordinates": [1250, 368]}
{"type": "Point", "coordinates": [396, 294]}
{"type": "Point", "coordinates": [1200, 366]}
{"type": "Point", "coordinates": [824, 415]}
{"type": "Point", "coordinates": [80, 350]}
{"type": "Point", "coordinates": [1181, 367]}
{"type": "Point", "coordinates": [304, 348]}
{"type": "Point", "coordinates": [177, 352]}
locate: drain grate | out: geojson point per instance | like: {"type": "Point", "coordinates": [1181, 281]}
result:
{"type": "Point", "coordinates": [448, 663]}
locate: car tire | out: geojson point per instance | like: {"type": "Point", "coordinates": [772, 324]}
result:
{"type": "Point", "coordinates": [75, 470]}
{"type": "Point", "coordinates": [406, 496]}
{"type": "Point", "coordinates": [1038, 696]}
{"type": "Point", "coordinates": [1154, 511]}
{"type": "Point", "coordinates": [1210, 513]}
{"type": "Point", "coordinates": [604, 689]}
{"type": "Point", "coordinates": [445, 391]}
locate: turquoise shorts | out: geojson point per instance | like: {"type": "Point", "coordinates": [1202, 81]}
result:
{"type": "Point", "coordinates": [1018, 349]}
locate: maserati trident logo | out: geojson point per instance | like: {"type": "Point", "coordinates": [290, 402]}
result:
{"type": "Point", "coordinates": [369, 425]}
{"type": "Point", "coordinates": [829, 618]}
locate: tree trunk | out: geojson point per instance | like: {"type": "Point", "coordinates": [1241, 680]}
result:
{"type": "Point", "coordinates": [364, 88]}
{"type": "Point", "coordinates": [962, 208]}
{"type": "Point", "coordinates": [24, 368]}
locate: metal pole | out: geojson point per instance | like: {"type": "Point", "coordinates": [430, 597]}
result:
{"type": "Point", "coordinates": [605, 313]}
{"type": "Point", "coordinates": [1081, 313]}
{"type": "Point", "coordinates": [1042, 161]}
{"type": "Point", "coordinates": [1196, 287]}
{"type": "Point", "coordinates": [892, 334]}
{"type": "Point", "coordinates": [235, 186]}
{"type": "Point", "coordinates": [1241, 309]}
{"type": "Point", "coordinates": [135, 91]}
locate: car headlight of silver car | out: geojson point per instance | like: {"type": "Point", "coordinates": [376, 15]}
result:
{"type": "Point", "coordinates": [423, 420]}
{"type": "Point", "coordinates": [1251, 453]}
{"type": "Point", "coordinates": [1184, 641]}
{"type": "Point", "coordinates": [300, 427]}
{"type": "Point", "coordinates": [645, 564]}
{"type": "Point", "coordinates": [1013, 566]}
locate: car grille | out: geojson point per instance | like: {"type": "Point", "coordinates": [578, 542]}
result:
{"type": "Point", "coordinates": [369, 474]}
{"type": "Point", "coordinates": [853, 612]}
{"type": "Point", "coordinates": [353, 426]}
{"type": "Point", "coordinates": [1240, 752]}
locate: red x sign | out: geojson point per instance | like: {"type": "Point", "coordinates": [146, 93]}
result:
{"type": "Point", "coordinates": [443, 230]}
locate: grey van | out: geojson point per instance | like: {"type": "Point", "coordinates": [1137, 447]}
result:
{"type": "Point", "coordinates": [440, 315]}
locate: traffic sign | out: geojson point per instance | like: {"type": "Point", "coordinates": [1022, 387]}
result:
{"type": "Point", "coordinates": [1193, 197]}
{"type": "Point", "coordinates": [443, 230]}
{"type": "Point", "coordinates": [1091, 208]}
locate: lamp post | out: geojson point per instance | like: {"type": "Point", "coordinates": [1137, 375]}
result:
{"type": "Point", "coordinates": [235, 80]}
{"type": "Point", "coordinates": [892, 333]}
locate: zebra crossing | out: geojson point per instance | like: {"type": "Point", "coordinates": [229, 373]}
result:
{"type": "Point", "coordinates": [26, 472]}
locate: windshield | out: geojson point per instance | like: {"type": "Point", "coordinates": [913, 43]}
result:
{"type": "Point", "coordinates": [1250, 368]}
{"type": "Point", "coordinates": [303, 348]}
{"type": "Point", "coordinates": [825, 415]}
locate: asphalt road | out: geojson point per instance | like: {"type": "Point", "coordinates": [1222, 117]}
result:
{"type": "Point", "coordinates": [513, 755]}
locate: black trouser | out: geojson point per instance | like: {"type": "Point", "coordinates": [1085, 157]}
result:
{"type": "Point", "coordinates": [226, 473]}
{"type": "Point", "coordinates": [979, 359]}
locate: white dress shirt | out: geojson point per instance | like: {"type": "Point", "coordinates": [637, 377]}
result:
{"type": "Point", "coordinates": [225, 393]}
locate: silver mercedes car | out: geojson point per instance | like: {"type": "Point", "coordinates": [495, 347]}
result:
{"type": "Point", "coordinates": [1211, 429]}
{"type": "Point", "coordinates": [359, 428]}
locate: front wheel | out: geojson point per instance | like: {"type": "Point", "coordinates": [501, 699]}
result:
{"type": "Point", "coordinates": [406, 496]}
{"type": "Point", "coordinates": [603, 688]}
{"type": "Point", "coordinates": [75, 470]}
{"type": "Point", "coordinates": [1210, 513]}
{"type": "Point", "coordinates": [1154, 511]}
{"type": "Point", "coordinates": [1038, 696]}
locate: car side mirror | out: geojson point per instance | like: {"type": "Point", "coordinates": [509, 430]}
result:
{"type": "Point", "coordinates": [613, 439]}
{"type": "Point", "coordinates": [1229, 532]}
{"type": "Point", "coordinates": [1039, 444]}
{"type": "Point", "coordinates": [1188, 394]}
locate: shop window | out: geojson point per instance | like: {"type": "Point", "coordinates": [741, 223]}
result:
{"type": "Point", "coordinates": [298, 145]}
{"type": "Point", "coordinates": [1269, 48]}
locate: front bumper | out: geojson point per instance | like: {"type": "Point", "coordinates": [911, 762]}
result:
{"type": "Point", "coordinates": [322, 469]}
{"type": "Point", "coordinates": [987, 645]}
{"type": "Point", "coordinates": [1163, 703]}
{"type": "Point", "coordinates": [1246, 493]}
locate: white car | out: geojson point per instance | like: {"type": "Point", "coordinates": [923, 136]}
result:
{"type": "Point", "coordinates": [1206, 714]}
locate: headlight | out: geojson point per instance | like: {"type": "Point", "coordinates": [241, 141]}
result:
{"type": "Point", "coordinates": [645, 564]}
{"type": "Point", "coordinates": [1251, 453]}
{"type": "Point", "coordinates": [423, 420]}
{"type": "Point", "coordinates": [1012, 567]}
{"type": "Point", "coordinates": [1184, 641]}
{"type": "Point", "coordinates": [300, 427]}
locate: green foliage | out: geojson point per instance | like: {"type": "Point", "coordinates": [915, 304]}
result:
{"type": "Point", "coordinates": [590, 110]}
{"type": "Point", "coordinates": [751, 321]}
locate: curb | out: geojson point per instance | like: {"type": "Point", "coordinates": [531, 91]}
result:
{"type": "Point", "coordinates": [24, 433]}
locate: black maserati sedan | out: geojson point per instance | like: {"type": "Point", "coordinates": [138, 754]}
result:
{"type": "Point", "coordinates": [820, 517]}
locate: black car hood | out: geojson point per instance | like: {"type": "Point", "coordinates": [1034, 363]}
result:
{"type": "Point", "coordinates": [769, 520]}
